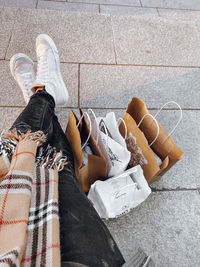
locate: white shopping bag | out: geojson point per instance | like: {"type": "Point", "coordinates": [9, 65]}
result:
{"type": "Point", "coordinates": [114, 143]}
{"type": "Point", "coordinates": [118, 195]}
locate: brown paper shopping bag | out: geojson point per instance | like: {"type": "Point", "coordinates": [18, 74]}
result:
{"type": "Point", "coordinates": [164, 146]}
{"type": "Point", "coordinates": [96, 167]}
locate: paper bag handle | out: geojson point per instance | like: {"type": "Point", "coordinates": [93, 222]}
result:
{"type": "Point", "coordinates": [158, 130]}
{"type": "Point", "coordinates": [181, 115]}
{"type": "Point", "coordinates": [81, 118]}
{"type": "Point", "coordinates": [95, 118]}
{"type": "Point", "coordinates": [120, 119]}
{"type": "Point", "coordinates": [106, 132]}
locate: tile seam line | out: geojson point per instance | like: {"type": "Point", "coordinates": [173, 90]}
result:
{"type": "Point", "coordinates": [145, 7]}
{"type": "Point", "coordinates": [127, 5]}
{"type": "Point", "coordinates": [158, 12]}
{"type": "Point", "coordinates": [154, 190]}
{"type": "Point", "coordinates": [114, 43]}
{"type": "Point", "coordinates": [106, 4]}
{"type": "Point", "coordinates": [79, 84]}
{"type": "Point", "coordinates": [11, 34]}
{"type": "Point", "coordinates": [19, 107]}
{"type": "Point", "coordinates": [167, 109]}
{"type": "Point", "coordinates": [172, 8]}
{"type": "Point", "coordinates": [100, 108]}
{"type": "Point", "coordinates": [120, 64]}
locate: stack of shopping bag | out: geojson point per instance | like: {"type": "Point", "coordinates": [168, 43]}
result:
{"type": "Point", "coordinates": [116, 160]}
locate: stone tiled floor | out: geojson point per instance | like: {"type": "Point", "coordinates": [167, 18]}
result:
{"type": "Point", "coordinates": [106, 60]}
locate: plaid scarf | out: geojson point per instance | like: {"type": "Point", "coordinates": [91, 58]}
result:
{"type": "Point", "coordinates": [29, 222]}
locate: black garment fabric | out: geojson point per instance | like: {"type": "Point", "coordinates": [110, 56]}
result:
{"type": "Point", "coordinates": [84, 237]}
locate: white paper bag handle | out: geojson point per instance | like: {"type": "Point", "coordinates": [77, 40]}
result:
{"type": "Point", "coordinates": [95, 118]}
{"type": "Point", "coordinates": [106, 132]}
{"type": "Point", "coordinates": [158, 130]}
{"type": "Point", "coordinates": [181, 115]}
{"type": "Point", "coordinates": [81, 118]}
{"type": "Point", "coordinates": [120, 119]}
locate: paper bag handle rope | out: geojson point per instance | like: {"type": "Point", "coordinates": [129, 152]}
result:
{"type": "Point", "coordinates": [81, 118]}
{"type": "Point", "coordinates": [95, 118]}
{"type": "Point", "coordinates": [106, 132]}
{"type": "Point", "coordinates": [158, 130]}
{"type": "Point", "coordinates": [120, 119]}
{"type": "Point", "coordinates": [181, 115]}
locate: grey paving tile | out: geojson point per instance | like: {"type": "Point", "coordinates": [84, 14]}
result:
{"type": "Point", "coordinates": [56, 0]}
{"type": "Point", "coordinates": [11, 95]}
{"type": "Point", "coordinates": [165, 226]}
{"type": "Point", "coordinates": [21, 3]}
{"type": "Point", "coordinates": [186, 15]}
{"type": "Point", "coordinates": [8, 116]}
{"type": "Point", "coordinates": [156, 41]}
{"type": "Point", "coordinates": [116, 2]}
{"type": "Point", "coordinates": [187, 136]}
{"type": "Point", "coordinates": [124, 10]}
{"type": "Point", "coordinates": [1, 3]}
{"type": "Point", "coordinates": [80, 7]}
{"type": "Point", "coordinates": [79, 37]}
{"type": "Point", "coordinates": [184, 4]}
{"type": "Point", "coordinates": [114, 86]}
{"type": "Point", "coordinates": [7, 16]}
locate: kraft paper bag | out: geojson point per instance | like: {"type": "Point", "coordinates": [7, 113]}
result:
{"type": "Point", "coordinates": [95, 168]}
{"type": "Point", "coordinates": [164, 146]}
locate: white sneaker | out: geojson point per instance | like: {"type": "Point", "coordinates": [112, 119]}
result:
{"type": "Point", "coordinates": [48, 69]}
{"type": "Point", "coordinates": [23, 71]}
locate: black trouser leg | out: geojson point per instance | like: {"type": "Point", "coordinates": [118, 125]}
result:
{"type": "Point", "coordinates": [84, 236]}
{"type": "Point", "coordinates": [37, 115]}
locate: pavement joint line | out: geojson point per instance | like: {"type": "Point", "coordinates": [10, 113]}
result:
{"type": "Point", "coordinates": [114, 4]}
{"type": "Point", "coordinates": [158, 12]}
{"type": "Point", "coordinates": [79, 84]}
{"type": "Point", "coordinates": [127, 5]}
{"type": "Point", "coordinates": [100, 108]}
{"type": "Point", "coordinates": [114, 43]}
{"type": "Point", "coordinates": [120, 64]}
{"type": "Point", "coordinates": [172, 8]}
{"type": "Point", "coordinates": [155, 190]}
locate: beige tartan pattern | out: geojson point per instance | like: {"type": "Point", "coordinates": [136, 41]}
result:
{"type": "Point", "coordinates": [29, 222]}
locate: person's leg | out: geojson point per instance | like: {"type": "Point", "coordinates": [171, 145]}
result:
{"type": "Point", "coordinates": [84, 236]}
{"type": "Point", "coordinates": [37, 115]}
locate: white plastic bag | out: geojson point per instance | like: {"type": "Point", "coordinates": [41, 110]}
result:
{"type": "Point", "coordinates": [118, 195]}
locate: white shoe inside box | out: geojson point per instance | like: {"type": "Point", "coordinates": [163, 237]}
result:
{"type": "Point", "coordinates": [118, 195]}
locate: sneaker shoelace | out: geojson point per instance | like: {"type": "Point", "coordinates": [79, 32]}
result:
{"type": "Point", "coordinates": [26, 81]}
{"type": "Point", "coordinates": [42, 68]}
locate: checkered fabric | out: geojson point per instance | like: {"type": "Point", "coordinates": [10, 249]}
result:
{"type": "Point", "coordinates": [29, 222]}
